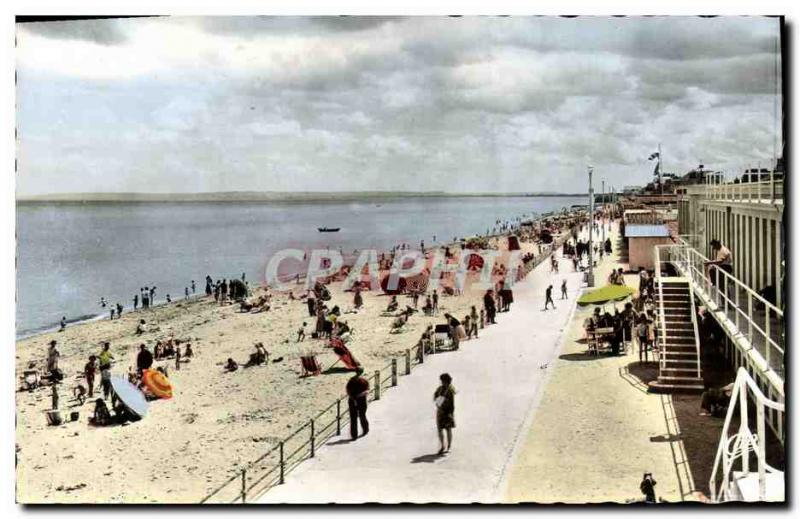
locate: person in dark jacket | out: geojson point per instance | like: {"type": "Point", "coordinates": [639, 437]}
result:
{"type": "Point", "coordinates": [444, 398]}
{"type": "Point", "coordinates": [144, 360]}
{"type": "Point", "coordinates": [357, 389]}
{"type": "Point", "coordinates": [647, 486]}
{"type": "Point", "coordinates": [488, 304]}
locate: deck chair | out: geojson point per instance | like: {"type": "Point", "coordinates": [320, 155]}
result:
{"type": "Point", "coordinates": [441, 336]}
{"type": "Point", "coordinates": [31, 379]}
{"type": "Point", "coordinates": [345, 356]}
{"type": "Point", "coordinates": [310, 365]}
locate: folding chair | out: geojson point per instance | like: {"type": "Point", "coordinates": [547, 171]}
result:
{"type": "Point", "coordinates": [310, 365]}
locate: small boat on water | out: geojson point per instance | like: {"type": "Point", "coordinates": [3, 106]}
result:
{"type": "Point", "coordinates": [328, 229]}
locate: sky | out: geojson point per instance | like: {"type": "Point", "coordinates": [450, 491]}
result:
{"type": "Point", "coordinates": [460, 104]}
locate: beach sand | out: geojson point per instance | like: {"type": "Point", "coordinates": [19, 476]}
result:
{"type": "Point", "coordinates": [216, 421]}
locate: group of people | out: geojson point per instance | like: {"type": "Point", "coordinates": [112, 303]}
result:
{"type": "Point", "coordinates": [357, 389]}
{"type": "Point", "coordinates": [625, 325]}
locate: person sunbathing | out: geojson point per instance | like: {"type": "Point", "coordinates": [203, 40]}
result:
{"type": "Point", "coordinates": [230, 365]}
{"type": "Point", "coordinates": [258, 357]}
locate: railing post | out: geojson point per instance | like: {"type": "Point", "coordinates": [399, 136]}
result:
{"type": "Point", "coordinates": [283, 464]}
{"type": "Point", "coordinates": [377, 384]}
{"type": "Point", "coordinates": [738, 310]}
{"type": "Point", "coordinates": [338, 417]}
{"type": "Point", "coordinates": [750, 317]}
{"type": "Point", "coordinates": [408, 362]}
{"type": "Point", "coordinates": [716, 285]}
{"type": "Point", "coordinates": [422, 350]}
{"type": "Point", "coordinates": [762, 450]}
{"type": "Point", "coordinates": [313, 439]}
{"type": "Point", "coordinates": [743, 424]}
{"type": "Point", "coordinates": [767, 337]}
{"type": "Point", "coordinates": [244, 485]}
{"type": "Point", "coordinates": [394, 372]}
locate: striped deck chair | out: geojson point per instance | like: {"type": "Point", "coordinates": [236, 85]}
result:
{"type": "Point", "coordinates": [310, 365]}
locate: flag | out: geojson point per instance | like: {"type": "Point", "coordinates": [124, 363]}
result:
{"type": "Point", "coordinates": [653, 156]}
{"type": "Point", "coordinates": [656, 171]}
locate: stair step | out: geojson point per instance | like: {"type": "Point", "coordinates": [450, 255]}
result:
{"type": "Point", "coordinates": [684, 354]}
{"type": "Point", "coordinates": [658, 386]}
{"type": "Point", "coordinates": [680, 380]}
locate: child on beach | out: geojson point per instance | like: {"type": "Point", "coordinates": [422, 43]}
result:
{"type": "Point", "coordinates": [89, 371]}
{"type": "Point", "coordinates": [105, 358]}
{"type": "Point", "coordinates": [63, 324]}
{"type": "Point", "coordinates": [472, 329]}
{"type": "Point", "coordinates": [301, 333]}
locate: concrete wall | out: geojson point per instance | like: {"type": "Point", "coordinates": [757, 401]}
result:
{"type": "Point", "coordinates": [641, 252]}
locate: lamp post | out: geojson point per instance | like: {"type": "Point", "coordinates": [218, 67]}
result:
{"type": "Point", "coordinates": [603, 191]}
{"type": "Point", "coordinates": [590, 273]}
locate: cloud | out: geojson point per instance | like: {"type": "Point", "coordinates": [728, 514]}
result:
{"type": "Point", "coordinates": [106, 31]}
{"type": "Point", "coordinates": [480, 103]}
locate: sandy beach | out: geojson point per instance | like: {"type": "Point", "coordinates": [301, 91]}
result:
{"type": "Point", "coordinates": [216, 421]}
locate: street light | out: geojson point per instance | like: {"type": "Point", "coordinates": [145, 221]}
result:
{"type": "Point", "coordinates": [590, 274]}
{"type": "Point", "coordinates": [604, 212]}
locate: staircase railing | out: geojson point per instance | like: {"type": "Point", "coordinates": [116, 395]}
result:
{"type": "Point", "coordinates": [739, 446]}
{"type": "Point", "coordinates": [696, 329]}
{"type": "Point", "coordinates": [662, 336]}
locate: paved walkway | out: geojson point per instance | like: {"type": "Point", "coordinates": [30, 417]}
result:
{"type": "Point", "coordinates": [596, 429]}
{"type": "Point", "coordinates": [497, 378]}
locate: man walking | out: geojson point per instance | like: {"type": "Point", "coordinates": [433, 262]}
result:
{"type": "Point", "coordinates": [357, 389]}
{"type": "Point", "coordinates": [564, 289]}
{"type": "Point", "coordinates": [548, 297]}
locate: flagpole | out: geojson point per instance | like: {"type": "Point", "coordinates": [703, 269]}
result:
{"type": "Point", "coordinates": [659, 173]}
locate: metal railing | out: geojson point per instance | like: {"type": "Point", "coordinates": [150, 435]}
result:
{"type": "Point", "coordinates": [724, 292]}
{"type": "Point", "coordinates": [272, 467]}
{"type": "Point", "coordinates": [739, 446]}
{"type": "Point", "coordinates": [766, 192]}
{"type": "Point", "coordinates": [662, 358]}
{"type": "Point", "coordinates": [692, 310]}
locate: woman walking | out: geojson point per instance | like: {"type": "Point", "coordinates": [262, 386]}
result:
{"type": "Point", "coordinates": [444, 398]}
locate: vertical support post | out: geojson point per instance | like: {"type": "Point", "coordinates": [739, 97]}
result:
{"type": "Point", "coordinates": [408, 362]}
{"type": "Point", "coordinates": [338, 417]}
{"type": "Point", "coordinates": [244, 486]}
{"type": "Point", "coordinates": [313, 438]}
{"type": "Point", "coordinates": [394, 372]}
{"type": "Point", "coordinates": [738, 309]}
{"type": "Point", "coordinates": [743, 424]}
{"type": "Point", "coordinates": [778, 281]}
{"type": "Point", "coordinates": [716, 285]}
{"type": "Point", "coordinates": [283, 465]}
{"type": "Point", "coordinates": [750, 317]}
{"type": "Point", "coordinates": [422, 350]}
{"type": "Point", "coordinates": [762, 451]}
{"type": "Point", "coordinates": [377, 384]}
{"type": "Point", "coordinates": [768, 337]}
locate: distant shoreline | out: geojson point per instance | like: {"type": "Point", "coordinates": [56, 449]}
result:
{"type": "Point", "coordinates": [274, 196]}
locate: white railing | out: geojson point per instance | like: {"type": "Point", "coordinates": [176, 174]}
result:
{"type": "Point", "coordinates": [725, 293]}
{"type": "Point", "coordinates": [662, 336]}
{"type": "Point", "coordinates": [739, 446]}
{"type": "Point", "coordinates": [658, 261]}
{"type": "Point", "coordinates": [767, 191]}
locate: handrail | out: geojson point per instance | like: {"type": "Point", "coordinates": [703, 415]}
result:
{"type": "Point", "coordinates": [738, 446]}
{"type": "Point", "coordinates": [750, 192]}
{"type": "Point", "coordinates": [662, 337]}
{"type": "Point", "coordinates": [693, 310]}
{"type": "Point", "coordinates": [691, 263]}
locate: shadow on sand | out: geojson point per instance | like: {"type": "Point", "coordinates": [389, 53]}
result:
{"type": "Point", "coordinates": [427, 458]}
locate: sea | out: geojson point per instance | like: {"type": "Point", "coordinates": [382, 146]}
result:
{"type": "Point", "coordinates": [69, 255]}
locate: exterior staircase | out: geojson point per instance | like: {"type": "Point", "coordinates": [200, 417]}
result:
{"type": "Point", "coordinates": [679, 362]}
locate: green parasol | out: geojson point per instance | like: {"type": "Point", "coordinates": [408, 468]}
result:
{"type": "Point", "coordinates": [605, 294]}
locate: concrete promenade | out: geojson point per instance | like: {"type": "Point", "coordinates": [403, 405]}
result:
{"type": "Point", "coordinates": [596, 429]}
{"type": "Point", "coordinates": [498, 379]}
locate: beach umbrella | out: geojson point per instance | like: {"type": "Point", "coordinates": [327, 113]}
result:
{"type": "Point", "coordinates": [605, 294]}
{"type": "Point", "coordinates": [130, 396]}
{"type": "Point", "coordinates": [157, 383]}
